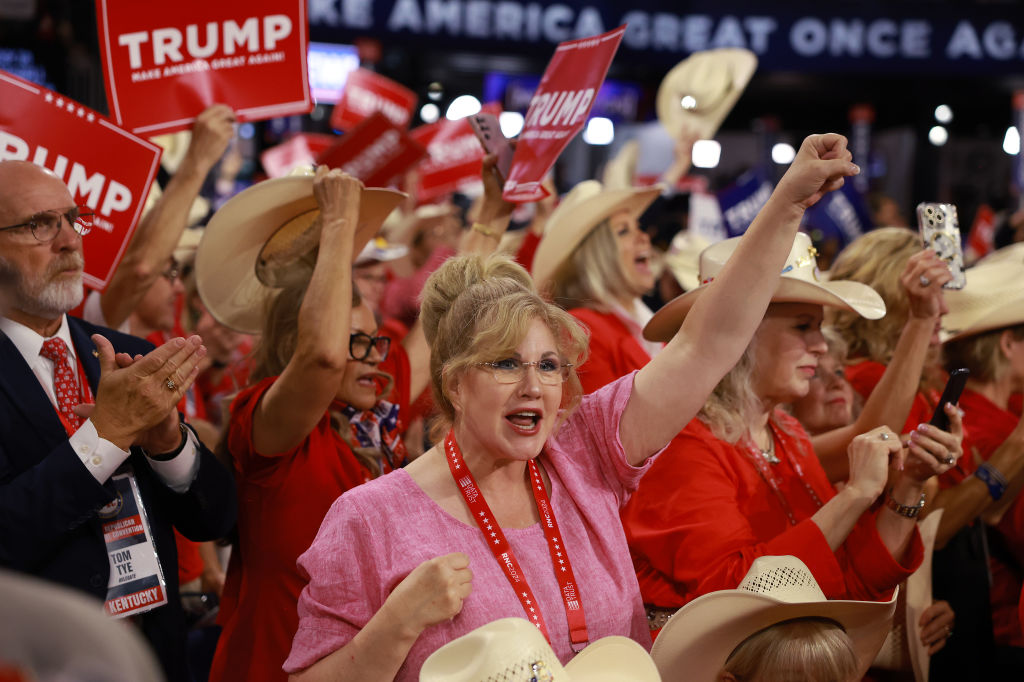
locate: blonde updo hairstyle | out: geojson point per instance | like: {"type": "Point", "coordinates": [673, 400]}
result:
{"type": "Point", "coordinates": [479, 309]}
{"type": "Point", "coordinates": [876, 259]}
{"type": "Point", "coordinates": [810, 649]}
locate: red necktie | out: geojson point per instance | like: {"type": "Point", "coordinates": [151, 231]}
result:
{"type": "Point", "coordinates": [64, 384]}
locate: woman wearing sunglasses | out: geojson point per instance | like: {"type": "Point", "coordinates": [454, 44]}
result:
{"type": "Point", "coordinates": [313, 423]}
{"type": "Point", "coordinates": [515, 511]}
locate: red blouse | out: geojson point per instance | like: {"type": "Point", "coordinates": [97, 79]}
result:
{"type": "Point", "coordinates": [614, 352]}
{"type": "Point", "coordinates": [282, 500]}
{"type": "Point", "coordinates": [865, 375]}
{"type": "Point", "coordinates": [703, 514]}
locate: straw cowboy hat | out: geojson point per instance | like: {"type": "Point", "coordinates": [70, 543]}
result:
{"type": "Point", "coordinates": [993, 298]}
{"type": "Point", "coordinates": [620, 170]}
{"type": "Point", "coordinates": [380, 250]}
{"type": "Point", "coordinates": [915, 597]}
{"type": "Point", "coordinates": [1014, 252]}
{"type": "Point", "coordinates": [514, 649]}
{"type": "Point", "coordinates": [700, 91]}
{"type": "Point", "coordinates": [800, 283]}
{"type": "Point", "coordinates": [698, 639]}
{"type": "Point", "coordinates": [683, 258]}
{"type": "Point", "coordinates": [583, 208]}
{"type": "Point", "coordinates": [262, 238]}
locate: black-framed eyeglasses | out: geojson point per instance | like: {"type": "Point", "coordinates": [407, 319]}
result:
{"type": "Point", "coordinates": [551, 371]}
{"type": "Point", "coordinates": [360, 345]}
{"type": "Point", "coordinates": [45, 225]}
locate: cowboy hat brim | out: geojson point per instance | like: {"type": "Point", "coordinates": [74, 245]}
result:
{"type": "Point", "coordinates": [612, 659]}
{"type": "Point", "coordinates": [992, 299]}
{"type": "Point", "coordinates": [227, 258]}
{"type": "Point", "coordinates": [568, 228]}
{"type": "Point", "coordinates": [696, 647]}
{"type": "Point", "coordinates": [852, 296]}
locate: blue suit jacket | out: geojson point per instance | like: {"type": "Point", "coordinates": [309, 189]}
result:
{"type": "Point", "coordinates": [48, 500]}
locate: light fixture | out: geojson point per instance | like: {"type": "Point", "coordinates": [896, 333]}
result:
{"type": "Point", "coordinates": [783, 153]}
{"type": "Point", "coordinates": [1011, 141]}
{"type": "Point", "coordinates": [943, 114]}
{"type": "Point", "coordinates": [599, 130]}
{"type": "Point", "coordinates": [938, 136]}
{"type": "Point", "coordinates": [462, 106]}
{"type": "Point", "coordinates": [430, 112]}
{"type": "Point", "coordinates": [706, 153]}
{"type": "Point", "coordinates": [511, 123]}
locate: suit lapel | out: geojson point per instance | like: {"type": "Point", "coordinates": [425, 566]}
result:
{"type": "Point", "coordinates": [84, 349]}
{"type": "Point", "coordinates": [26, 395]}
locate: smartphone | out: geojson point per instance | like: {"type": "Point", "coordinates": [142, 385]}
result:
{"type": "Point", "coordinates": [950, 394]}
{"type": "Point", "coordinates": [488, 131]}
{"type": "Point", "coordinates": [940, 231]}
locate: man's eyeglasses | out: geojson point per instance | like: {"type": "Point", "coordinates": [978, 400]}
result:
{"type": "Point", "coordinates": [360, 345]}
{"type": "Point", "coordinates": [550, 371]}
{"type": "Point", "coordinates": [45, 225]}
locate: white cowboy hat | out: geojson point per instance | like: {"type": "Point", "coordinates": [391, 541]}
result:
{"type": "Point", "coordinates": [683, 258]}
{"type": "Point", "coordinates": [700, 91]}
{"type": "Point", "coordinates": [379, 250]}
{"type": "Point", "coordinates": [583, 208]}
{"type": "Point", "coordinates": [188, 244]}
{"type": "Point", "coordinates": [800, 283]}
{"type": "Point", "coordinates": [514, 649]}
{"type": "Point", "coordinates": [1013, 252]}
{"type": "Point", "coordinates": [263, 236]}
{"type": "Point", "coordinates": [620, 170]}
{"type": "Point", "coordinates": [993, 298]}
{"type": "Point", "coordinates": [698, 639]}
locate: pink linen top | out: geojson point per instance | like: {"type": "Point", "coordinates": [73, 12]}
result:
{"type": "Point", "coordinates": [356, 561]}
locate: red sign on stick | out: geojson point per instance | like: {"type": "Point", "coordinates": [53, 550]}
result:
{"type": "Point", "coordinates": [366, 92]}
{"type": "Point", "coordinates": [558, 110]}
{"type": "Point", "coordinates": [300, 150]}
{"type": "Point", "coordinates": [375, 151]}
{"type": "Point", "coordinates": [163, 65]}
{"type": "Point", "coordinates": [453, 155]}
{"type": "Point", "coordinates": [105, 167]}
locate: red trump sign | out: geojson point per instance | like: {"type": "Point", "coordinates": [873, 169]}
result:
{"type": "Point", "coordinates": [375, 151]}
{"type": "Point", "coordinates": [105, 167]}
{"type": "Point", "coordinates": [558, 110]}
{"type": "Point", "coordinates": [164, 65]}
{"type": "Point", "coordinates": [453, 155]}
{"type": "Point", "coordinates": [367, 92]}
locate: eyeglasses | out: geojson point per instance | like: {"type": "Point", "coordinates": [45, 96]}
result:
{"type": "Point", "coordinates": [551, 371]}
{"type": "Point", "coordinates": [360, 345]}
{"type": "Point", "coordinates": [172, 273]}
{"type": "Point", "coordinates": [45, 225]}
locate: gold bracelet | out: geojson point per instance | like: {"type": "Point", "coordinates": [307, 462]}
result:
{"type": "Point", "coordinates": [484, 230]}
{"type": "Point", "coordinates": [909, 511]}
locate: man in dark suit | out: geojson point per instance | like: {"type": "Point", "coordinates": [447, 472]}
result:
{"type": "Point", "coordinates": [80, 402]}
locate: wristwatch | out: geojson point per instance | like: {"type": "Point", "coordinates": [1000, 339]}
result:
{"type": "Point", "coordinates": [909, 511]}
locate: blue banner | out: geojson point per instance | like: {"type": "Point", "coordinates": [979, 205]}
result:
{"type": "Point", "coordinates": [615, 100]}
{"type": "Point", "coordinates": [741, 201]}
{"type": "Point", "coordinates": [865, 37]}
{"type": "Point", "coordinates": [842, 214]}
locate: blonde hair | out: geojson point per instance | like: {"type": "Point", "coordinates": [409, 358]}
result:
{"type": "Point", "coordinates": [876, 259]}
{"type": "Point", "coordinates": [592, 276]}
{"type": "Point", "coordinates": [733, 403]}
{"type": "Point", "coordinates": [799, 650]}
{"type": "Point", "coordinates": [474, 310]}
{"type": "Point", "coordinates": [980, 353]}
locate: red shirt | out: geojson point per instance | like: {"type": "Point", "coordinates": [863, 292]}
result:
{"type": "Point", "coordinates": [864, 375]}
{"type": "Point", "coordinates": [986, 426]}
{"type": "Point", "coordinates": [703, 514]}
{"type": "Point", "coordinates": [614, 352]}
{"type": "Point", "coordinates": [281, 500]}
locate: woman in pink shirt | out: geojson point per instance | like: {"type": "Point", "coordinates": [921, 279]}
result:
{"type": "Point", "coordinates": [514, 512]}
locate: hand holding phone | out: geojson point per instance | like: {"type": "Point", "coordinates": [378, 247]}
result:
{"type": "Point", "coordinates": [950, 394]}
{"type": "Point", "coordinates": [488, 131]}
{"type": "Point", "coordinates": [940, 231]}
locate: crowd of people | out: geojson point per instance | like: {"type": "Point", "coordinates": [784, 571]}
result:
{"type": "Point", "coordinates": [394, 444]}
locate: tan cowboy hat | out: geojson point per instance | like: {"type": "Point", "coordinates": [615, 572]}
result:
{"type": "Point", "coordinates": [265, 235]}
{"type": "Point", "coordinates": [1013, 252]}
{"type": "Point", "coordinates": [683, 258]}
{"type": "Point", "coordinates": [401, 228]}
{"type": "Point", "coordinates": [380, 250]}
{"type": "Point", "coordinates": [196, 212]}
{"type": "Point", "coordinates": [583, 208]}
{"type": "Point", "coordinates": [993, 298]}
{"type": "Point", "coordinates": [185, 251]}
{"type": "Point", "coordinates": [620, 170]}
{"type": "Point", "coordinates": [175, 146]}
{"type": "Point", "coordinates": [698, 639]}
{"type": "Point", "coordinates": [800, 283]}
{"type": "Point", "coordinates": [700, 91]}
{"type": "Point", "coordinates": [514, 649]}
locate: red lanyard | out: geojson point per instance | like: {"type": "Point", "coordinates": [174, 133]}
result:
{"type": "Point", "coordinates": [769, 476]}
{"type": "Point", "coordinates": [503, 552]}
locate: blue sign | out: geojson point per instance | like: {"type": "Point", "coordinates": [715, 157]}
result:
{"type": "Point", "coordinates": [866, 37]}
{"type": "Point", "coordinates": [842, 214]}
{"type": "Point", "coordinates": [741, 201]}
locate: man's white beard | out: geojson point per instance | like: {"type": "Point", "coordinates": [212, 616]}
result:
{"type": "Point", "coordinates": [44, 297]}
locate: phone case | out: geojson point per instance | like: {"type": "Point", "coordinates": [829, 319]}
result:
{"type": "Point", "coordinates": [940, 231]}
{"type": "Point", "coordinates": [488, 131]}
